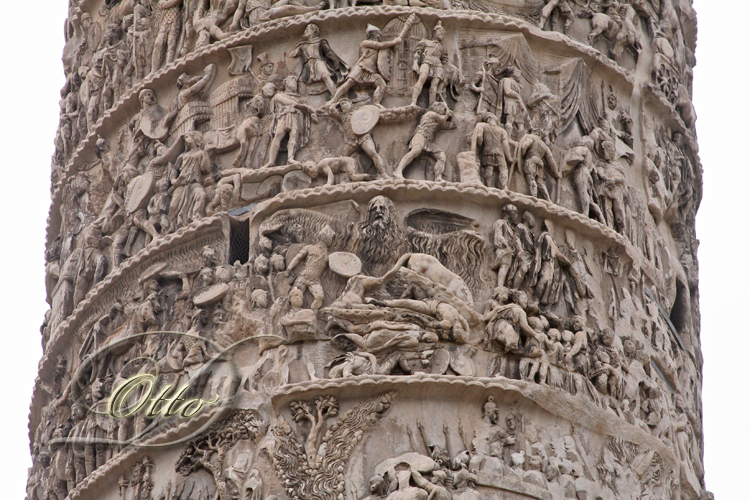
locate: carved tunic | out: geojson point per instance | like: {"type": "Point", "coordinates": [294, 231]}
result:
{"type": "Point", "coordinates": [366, 68]}
{"type": "Point", "coordinates": [430, 57]}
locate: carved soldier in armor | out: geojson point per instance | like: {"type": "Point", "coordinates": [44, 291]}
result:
{"type": "Point", "coordinates": [366, 70]}
{"type": "Point", "coordinates": [343, 111]}
{"type": "Point", "coordinates": [169, 32]}
{"type": "Point", "coordinates": [428, 64]}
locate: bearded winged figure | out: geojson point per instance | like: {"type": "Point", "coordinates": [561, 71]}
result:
{"type": "Point", "coordinates": [379, 240]}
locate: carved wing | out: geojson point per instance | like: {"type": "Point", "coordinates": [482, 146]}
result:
{"type": "Point", "coordinates": [463, 252]}
{"type": "Point", "coordinates": [303, 226]}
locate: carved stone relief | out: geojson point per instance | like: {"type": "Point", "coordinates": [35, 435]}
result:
{"type": "Point", "coordinates": [389, 249]}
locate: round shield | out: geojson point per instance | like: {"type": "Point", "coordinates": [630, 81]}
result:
{"type": "Point", "coordinates": [211, 294]}
{"type": "Point", "coordinates": [462, 365]}
{"type": "Point", "coordinates": [365, 119]}
{"type": "Point", "coordinates": [440, 361]}
{"type": "Point", "coordinates": [153, 122]}
{"type": "Point", "coordinates": [139, 192]}
{"type": "Point", "coordinates": [345, 264]}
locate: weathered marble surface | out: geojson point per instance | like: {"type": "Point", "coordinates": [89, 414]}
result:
{"type": "Point", "coordinates": [398, 250]}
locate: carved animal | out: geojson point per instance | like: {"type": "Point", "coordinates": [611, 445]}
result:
{"type": "Point", "coordinates": [619, 36]}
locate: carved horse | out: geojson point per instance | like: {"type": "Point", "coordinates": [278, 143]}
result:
{"type": "Point", "coordinates": [619, 33]}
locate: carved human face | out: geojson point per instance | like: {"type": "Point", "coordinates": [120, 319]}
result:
{"type": "Point", "coordinates": [148, 97]}
{"type": "Point", "coordinates": [346, 105]}
{"type": "Point", "coordinates": [327, 235]}
{"type": "Point", "coordinates": [439, 33]}
{"type": "Point", "coordinates": [260, 299]}
{"type": "Point", "coordinates": [611, 101]}
{"type": "Point", "coordinates": [554, 334]}
{"type": "Point", "coordinates": [439, 108]}
{"type": "Point", "coordinates": [290, 84]}
{"type": "Point", "coordinates": [192, 140]}
{"type": "Point", "coordinates": [311, 32]}
{"type": "Point", "coordinates": [310, 168]}
{"type": "Point", "coordinates": [529, 220]}
{"type": "Point", "coordinates": [629, 347]}
{"type": "Point", "coordinates": [380, 211]}
{"type": "Point", "coordinates": [296, 298]}
{"type": "Point", "coordinates": [511, 422]}
{"type": "Point", "coordinates": [268, 90]}
{"type": "Point", "coordinates": [534, 462]}
{"type": "Point", "coordinates": [522, 300]}
{"type": "Point", "coordinates": [492, 414]}
{"type": "Point", "coordinates": [78, 413]}
{"type": "Point", "coordinates": [511, 213]}
{"type": "Point", "coordinates": [578, 323]}
{"type": "Point", "coordinates": [261, 265]}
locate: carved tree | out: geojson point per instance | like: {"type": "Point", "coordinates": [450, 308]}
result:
{"type": "Point", "coordinates": [315, 472]}
{"type": "Point", "coordinates": [208, 450]}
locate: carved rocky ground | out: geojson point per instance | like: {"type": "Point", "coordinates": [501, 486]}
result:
{"type": "Point", "coordinates": [413, 250]}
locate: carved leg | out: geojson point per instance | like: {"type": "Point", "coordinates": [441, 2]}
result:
{"type": "Point", "coordinates": [489, 173]}
{"type": "Point", "coordinates": [439, 167]}
{"type": "Point", "coordinates": [368, 146]}
{"type": "Point", "coordinates": [316, 290]}
{"type": "Point", "coordinates": [273, 150]}
{"type": "Point", "coordinates": [417, 145]}
{"type": "Point", "coordinates": [502, 176]}
{"type": "Point", "coordinates": [380, 85]}
{"type": "Point", "coordinates": [417, 89]}
{"type": "Point", "coordinates": [158, 49]}
{"type": "Point", "coordinates": [342, 91]}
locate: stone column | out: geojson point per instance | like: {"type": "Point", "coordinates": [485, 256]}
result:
{"type": "Point", "coordinates": [412, 250]}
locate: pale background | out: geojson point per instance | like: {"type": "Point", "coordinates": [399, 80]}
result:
{"type": "Point", "coordinates": [31, 45]}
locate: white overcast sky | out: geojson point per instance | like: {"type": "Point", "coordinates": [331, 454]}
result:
{"type": "Point", "coordinates": [31, 46]}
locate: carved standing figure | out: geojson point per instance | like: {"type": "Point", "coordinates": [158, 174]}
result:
{"type": "Point", "coordinates": [169, 31]}
{"type": "Point", "coordinates": [188, 202]}
{"type": "Point", "coordinates": [316, 261]}
{"type": "Point", "coordinates": [287, 108]}
{"type": "Point", "coordinates": [250, 130]}
{"type": "Point", "coordinates": [319, 62]}
{"type": "Point", "coordinates": [613, 188]}
{"type": "Point", "coordinates": [533, 155]}
{"type": "Point", "coordinates": [428, 65]}
{"type": "Point", "coordinates": [495, 146]}
{"type": "Point", "coordinates": [579, 160]}
{"type": "Point", "coordinates": [563, 10]}
{"type": "Point", "coordinates": [343, 111]}
{"type": "Point", "coordinates": [504, 241]}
